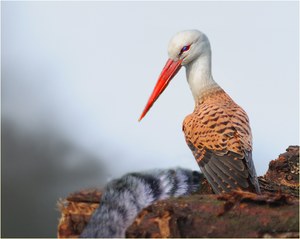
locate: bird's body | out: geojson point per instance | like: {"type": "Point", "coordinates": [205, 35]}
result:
{"type": "Point", "coordinates": [219, 136]}
{"type": "Point", "coordinates": [218, 131]}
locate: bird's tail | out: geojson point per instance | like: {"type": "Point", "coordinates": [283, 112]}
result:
{"type": "Point", "coordinates": [125, 197]}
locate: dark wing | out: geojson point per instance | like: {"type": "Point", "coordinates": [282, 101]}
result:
{"type": "Point", "coordinates": [227, 172]}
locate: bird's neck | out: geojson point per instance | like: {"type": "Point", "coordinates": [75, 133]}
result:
{"type": "Point", "coordinates": [199, 76]}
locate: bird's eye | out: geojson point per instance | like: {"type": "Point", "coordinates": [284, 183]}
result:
{"type": "Point", "coordinates": [185, 48]}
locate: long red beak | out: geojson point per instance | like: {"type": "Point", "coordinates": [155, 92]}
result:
{"type": "Point", "coordinates": [169, 71]}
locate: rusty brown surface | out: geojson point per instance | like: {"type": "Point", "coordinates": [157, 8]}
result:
{"type": "Point", "coordinates": [283, 173]}
{"type": "Point", "coordinates": [76, 211]}
{"type": "Point", "coordinates": [238, 214]}
{"type": "Point", "coordinates": [285, 169]}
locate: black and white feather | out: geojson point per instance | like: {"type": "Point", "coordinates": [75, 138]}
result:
{"type": "Point", "coordinates": [124, 198]}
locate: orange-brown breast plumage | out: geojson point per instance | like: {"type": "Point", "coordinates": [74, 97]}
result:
{"type": "Point", "coordinates": [219, 135]}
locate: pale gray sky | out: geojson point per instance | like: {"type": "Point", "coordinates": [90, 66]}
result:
{"type": "Point", "coordinates": [87, 69]}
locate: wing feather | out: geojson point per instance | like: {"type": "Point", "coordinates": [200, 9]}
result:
{"type": "Point", "coordinates": [219, 135]}
{"type": "Point", "coordinates": [227, 182]}
{"type": "Point", "coordinates": [213, 183]}
{"type": "Point", "coordinates": [230, 173]}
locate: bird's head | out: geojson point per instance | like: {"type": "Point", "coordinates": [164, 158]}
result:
{"type": "Point", "coordinates": [187, 46]}
{"type": "Point", "coordinates": [184, 48]}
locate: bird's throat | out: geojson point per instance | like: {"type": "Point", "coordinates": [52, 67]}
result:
{"type": "Point", "coordinates": [199, 76]}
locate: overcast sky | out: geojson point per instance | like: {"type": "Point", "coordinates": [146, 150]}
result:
{"type": "Point", "coordinates": [86, 69]}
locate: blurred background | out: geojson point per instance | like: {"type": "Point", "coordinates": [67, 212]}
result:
{"type": "Point", "coordinates": [76, 76]}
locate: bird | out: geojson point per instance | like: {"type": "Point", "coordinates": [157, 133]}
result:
{"type": "Point", "coordinates": [218, 130]}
